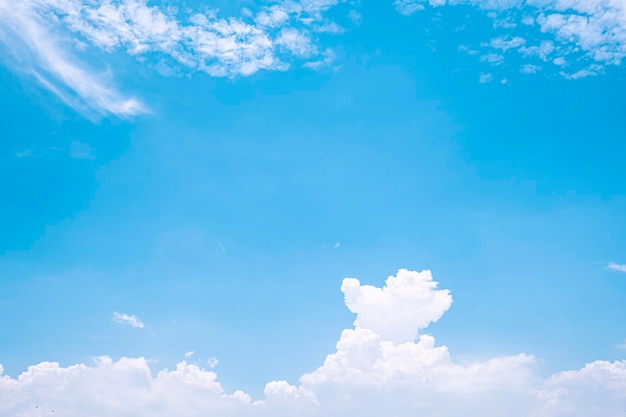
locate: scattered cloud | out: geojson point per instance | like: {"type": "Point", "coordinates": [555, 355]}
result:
{"type": "Point", "coordinates": [46, 36]}
{"type": "Point", "coordinates": [493, 58]}
{"type": "Point", "coordinates": [50, 40]}
{"type": "Point", "coordinates": [132, 321]}
{"type": "Point", "coordinates": [385, 365]}
{"type": "Point", "coordinates": [189, 354]}
{"type": "Point", "coordinates": [616, 267]}
{"type": "Point", "coordinates": [485, 77]}
{"type": "Point", "coordinates": [408, 7]}
{"type": "Point", "coordinates": [337, 245]}
{"type": "Point", "coordinates": [530, 69]}
{"type": "Point", "coordinates": [212, 363]}
{"type": "Point", "coordinates": [585, 33]}
{"type": "Point", "coordinates": [505, 43]}
{"type": "Point", "coordinates": [622, 345]}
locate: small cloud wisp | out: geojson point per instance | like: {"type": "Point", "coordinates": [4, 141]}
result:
{"type": "Point", "coordinates": [128, 320]}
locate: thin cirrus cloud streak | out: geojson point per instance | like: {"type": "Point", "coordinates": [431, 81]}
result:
{"type": "Point", "coordinates": [576, 38]}
{"type": "Point", "coordinates": [34, 48]}
{"type": "Point", "coordinates": [128, 320]}
{"type": "Point", "coordinates": [385, 365]}
{"type": "Point", "coordinates": [40, 32]}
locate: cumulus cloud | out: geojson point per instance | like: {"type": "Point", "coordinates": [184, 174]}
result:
{"type": "Point", "coordinates": [378, 369]}
{"type": "Point", "coordinates": [128, 320]}
{"type": "Point", "coordinates": [616, 267]}
{"type": "Point", "coordinates": [41, 34]}
{"type": "Point", "coordinates": [408, 302]}
{"type": "Point", "coordinates": [592, 33]}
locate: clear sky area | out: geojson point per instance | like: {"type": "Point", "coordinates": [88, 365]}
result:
{"type": "Point", "coordinates": [312, 208]}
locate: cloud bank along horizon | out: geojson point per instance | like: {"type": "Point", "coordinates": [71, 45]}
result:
{"type": "Point", "coordinates": [384, 365]}
{"type": "Point", "coordinates": [50, 40]}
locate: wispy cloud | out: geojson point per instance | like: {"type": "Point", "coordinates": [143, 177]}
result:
{"type": "Point", "coordinates": [128, 320]}
{"type": "Point", "coordinates": [616, 267]}
{"type": "Point", "coordinates": [40, 34]}
{"type": "Point", "coordinates": [212, 362]}
{"type": "Point", "coordinates": [27, 153]}
{"type": "Point", "coordinates": [37, 49]}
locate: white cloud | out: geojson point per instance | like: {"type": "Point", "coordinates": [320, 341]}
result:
{"type": "Point", "coordinates": [378, 369]}
{"type": "Point", "coordinates": [408, 7]}
{"type": "Point", "coordinates": [189, 354]}
{"type": "Point", "coordinates": [542, 50]}
{"type": "Point", "coordinates": [37, 50]}
{"type": "Point", "coordinates": [592, 30]}
{"type": "Point", "coordinates": [493, 58]}
{"type": "Point", "coordinates": [42, 32]}
{"type": "Point", "coordinates": [504, 43]}
{"type": "Point", "coordinates": [296, 41]}
{"type": "Point", "coordinates": [128, 320]}
{"type": "Point", "coordinates": [406, 304]}
{"type": "Point", "coordinates": [616, 267]}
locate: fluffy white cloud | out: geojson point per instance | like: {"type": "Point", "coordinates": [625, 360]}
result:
{"type": "Point", "coordinates": [594, 30]}
{"type": "Point", "coordinates": [128, 320]}
{"type": "Point", "coordinates": [40, 33]}
{"type": "Point", "coordinates": [378, 369]}
{"type": "Point", "coordinates": [406, 304]}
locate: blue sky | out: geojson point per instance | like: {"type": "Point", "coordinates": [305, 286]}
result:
{"type": "Point", "coordinates": [160, 197]}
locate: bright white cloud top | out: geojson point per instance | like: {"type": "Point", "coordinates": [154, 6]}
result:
{"type": "Point", "coordinates": [406, 304]}
{"type": "Point", "coordinates": [128, 320]}
{"type": "Point", "coordinates": [377, 369]}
